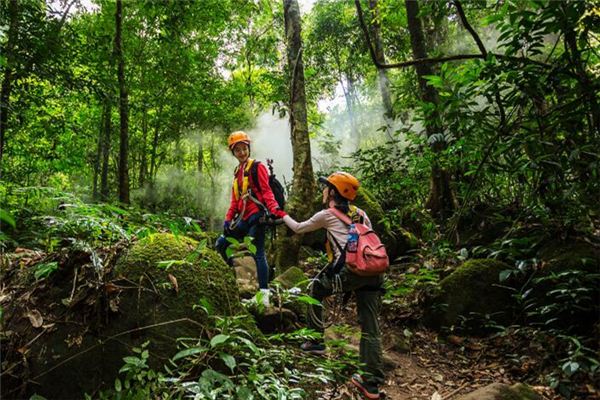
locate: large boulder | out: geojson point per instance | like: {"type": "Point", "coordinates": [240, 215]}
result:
{"type": "Point", "coordinates": [501, 391]}
{"type": "Point", "coordinates": [75, 331]}
{"type": "Point", "coordinates": [472, 291]}
{"type": "Point", "coordinates": [246, 276]}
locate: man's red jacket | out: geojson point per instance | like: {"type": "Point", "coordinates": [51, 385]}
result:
{"type": "Point", "coordinates": [260, 190]}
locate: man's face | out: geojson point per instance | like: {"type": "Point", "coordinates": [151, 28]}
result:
{"type": "Point", "coordinates": [241, 151]}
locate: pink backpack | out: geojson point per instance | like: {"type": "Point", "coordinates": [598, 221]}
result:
{"type": "Point", "coordinates": [370, 257]}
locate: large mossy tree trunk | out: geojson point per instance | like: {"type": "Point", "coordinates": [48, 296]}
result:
{"type": "Point", "coordinates": [123, 108]}
{"type": "Point", "coordinates": [303, 188]}
{"type": "Point", "coordinates": [441, 201]}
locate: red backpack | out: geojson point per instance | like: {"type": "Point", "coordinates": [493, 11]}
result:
{"type": "Point", "coordinates": [369, 258]}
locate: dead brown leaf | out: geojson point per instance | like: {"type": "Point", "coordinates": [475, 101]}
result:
{"type": "Point", "coordinates": [35, 318]}
{"type": "Point", "coordinates": [455, 340]}
{"type": "Point", "coordinates": [114, 305]}
{"type": "Point", "coordinates": [110, 288]}
{"type": "Point", "coordinates": [174, 282]}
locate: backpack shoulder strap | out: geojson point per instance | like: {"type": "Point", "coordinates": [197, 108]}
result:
{"type": "Point", "coordinates": [254, 175]}
{"type": "Point", "coordinates": [334, 240]}
{"type": "Point", "coordinates": [343, 217]}
{"type": "Point", "coordinates": [357, 215]}
{"type": "Point", "coordinates": [236, 190]}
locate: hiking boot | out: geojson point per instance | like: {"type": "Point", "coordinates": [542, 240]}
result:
{"type": "Point", "coordinates": [316, 348]}
{"type": "Point", "coordinates": [265, 294]}
{"type": "Point", "coordinates": [369, 391]}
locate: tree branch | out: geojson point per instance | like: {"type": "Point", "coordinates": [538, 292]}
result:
{"type": "Point", "coordinates": [465, 22]}
{"type": "Point", "coordinates": [437, 60]}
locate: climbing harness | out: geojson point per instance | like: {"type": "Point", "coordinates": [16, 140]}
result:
{"type": "Point", "coordinates": [336, 304]}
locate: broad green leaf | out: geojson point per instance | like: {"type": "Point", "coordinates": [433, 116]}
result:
{"type": "Point", "coordinates": [44, 270]}
{"type": "Point", "coordinates": [504, 275]}
{"type": "Point", "coordinates": [309, 300]}
{"type": "Point", "coordinates": [189, 352]}
{"type": "Point", "coordinates": [229, 360]}
{"type": "Point", "coordinates": [570, 367]}
{"type": "Point", "coordinates": [6, 217]}
{"type": "Point", "coordinates": [219, 339]}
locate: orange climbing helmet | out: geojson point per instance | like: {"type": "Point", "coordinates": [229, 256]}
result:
{"type": "Point", "coordinates": [346, 184]}
{"type": "Point", "coordinates": [238, 137]}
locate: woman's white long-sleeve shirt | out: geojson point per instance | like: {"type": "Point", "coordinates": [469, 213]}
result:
{"type": "Point", "coordinates": [327, 220]}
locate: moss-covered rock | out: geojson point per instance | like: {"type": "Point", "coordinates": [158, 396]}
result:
{"type": "Point", "coordinates": [566, 267]}
{"type": "Point", "coordinates": [292, 277]}
{"type": "Point", "coordinates": [143, 302]}
{"type": "Point", "coordinates": [500, 391]}
{"type": "Point", "coordinates": [201, 275]}
{"type": "Point", "coordinates": [572, 256]}
{"type": "Point", "coordinates": [471, 291]}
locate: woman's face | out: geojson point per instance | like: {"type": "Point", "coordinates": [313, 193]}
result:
{"type": "Point", "coordinates": [325, 200]}
{"type": "Point", "coordinates": [241, 151]}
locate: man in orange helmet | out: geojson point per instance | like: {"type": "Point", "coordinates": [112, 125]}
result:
{"type": "Point", "coordinates": [251, 200]}
{"type": "Point", "coordinates": [339, 189]}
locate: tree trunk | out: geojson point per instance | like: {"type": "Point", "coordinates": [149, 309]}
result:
{"type": "Point", "coordinates": [154, 149]}
{"type": "Point", "coordinates": [303, 189]}
{"type": "Point", "coordinates": [144, 159]}
{"type": "Point", "coordinates": [98, 159]}
{"type": "Point", "coordinates": [13, 16]}
{"type": "Point", "coordinates": [123, 109]}
{"type": "Point", "coordinates": [441, 201]}
{"type": "Point", "coordinates": [200, 158]}
{"type": "Point", "coordinates": [104, 192]}
{"type": "Point", "coordinates": [348, 96]}
{"type": "Point", "coordinates": [384, 82]}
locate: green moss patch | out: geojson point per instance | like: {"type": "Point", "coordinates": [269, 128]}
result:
{"type": "Point", "coordinates": [472, 291]}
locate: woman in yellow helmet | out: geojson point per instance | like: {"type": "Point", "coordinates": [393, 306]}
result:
{"type": "Point", "coordinates": [251, 199]}
{"type": "Point", "coordinates": [339, 189]}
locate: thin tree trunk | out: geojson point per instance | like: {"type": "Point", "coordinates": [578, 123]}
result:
{"type": "Point", "coordinates": [104, 191]}
{"type": "Point", "coordinates": [350, 108]}
{"type": "Point", "coordinates": [98, 159]}
{"type": "Point", "coordinates": [154, 149]}
{"type": "Point", "coordinates": [303, 189]}
{"type": "Point", "coordinates": [144, 147]}
{"type": "Point", "coordinates": [123, 109]}
{"type": "Point", "coordinates": [200, 158]}
{"type": "Point", "coordinates": [384, 82]}
{"type": "Point", "coordinates": [13, 25]}
{"type": "Point", "coordinates": [441, 201]}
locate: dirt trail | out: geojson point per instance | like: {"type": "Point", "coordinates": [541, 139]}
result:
{"type": "Point", "coordinates": [434, 369]}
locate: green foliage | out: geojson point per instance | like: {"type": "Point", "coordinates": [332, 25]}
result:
{"type": "Point", "coordinates": [139, 380]}
{"type": "Point", "coordinates": [240, 249]}
{"type": "Point", "coordinates": [409, 282]}
{"type": "Point", "coordinates": [53, 218]}
{"type": "Point", "coordinates": [235, 364]}
{"type": "Point", "coordinates": [579, 360]}
{"type": "Point", "coordinates": [45, 269]}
